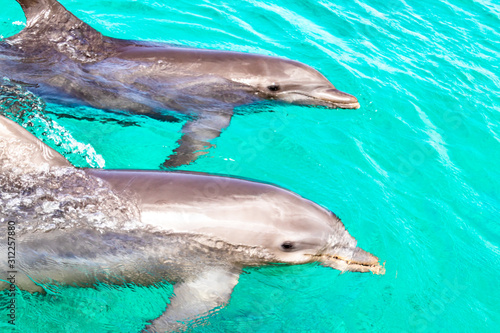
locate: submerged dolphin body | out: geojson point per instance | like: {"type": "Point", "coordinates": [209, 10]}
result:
{"type": "Point", "coordinates": [79, 226]}
{"type": "Point", "coordinates": [64, 60]}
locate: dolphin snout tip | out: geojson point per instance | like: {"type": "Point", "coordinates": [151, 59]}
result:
{"type": "Point", "coordinates": [353, 260]}
{"type": "Point", "coordinates": [368, 261]}
{"type": "Point", "coordinates": [379, 269]}
{"type": "Point", "coordinates": [339, 99]}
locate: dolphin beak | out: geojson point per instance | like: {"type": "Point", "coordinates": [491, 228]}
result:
{"type": "Point", "coordinates": [336, 98]}
{"type": "Point", "coordinates": [354, 260]}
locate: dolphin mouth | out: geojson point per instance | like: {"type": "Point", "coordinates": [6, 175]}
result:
{"type": "Point", "coordinates": [360, 261]}
{"type": "Point", "coordinates": [330, 98]}
{"type": "Point", "coordinates": [337, 98]}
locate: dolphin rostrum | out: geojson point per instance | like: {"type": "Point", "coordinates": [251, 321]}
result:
{"type": "Point", "coordinates": [78, 227]}
{"type": "Point", "coordinates": [64, 60]}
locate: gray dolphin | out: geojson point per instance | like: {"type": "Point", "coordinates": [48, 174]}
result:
{"type": "Point", "coordinates": [82, 226]}
{"type": "Point", "coordinates": [64, 60]}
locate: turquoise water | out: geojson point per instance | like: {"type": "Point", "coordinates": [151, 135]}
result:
{"type": "Point", "coordinates": [414, 174]}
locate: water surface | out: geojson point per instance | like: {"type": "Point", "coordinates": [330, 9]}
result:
{"type": "Point", "coordinates": [413, 174]}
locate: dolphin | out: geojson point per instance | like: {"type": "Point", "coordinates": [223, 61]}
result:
{"type": "Point", "coordinates": [197, 231]}
{"type": "Point", "coordinates": [65, 61]}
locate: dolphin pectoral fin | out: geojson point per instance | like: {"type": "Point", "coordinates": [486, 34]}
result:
{"type": "Point", "coordinates": [196, 137]}
{"type": "Point", "coordinates": [196, 298]}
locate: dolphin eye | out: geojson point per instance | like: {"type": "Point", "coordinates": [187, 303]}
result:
{"type": "Point", "coordinates": [274, 87]}
{"type": "Point", "coordinates": [287, 246]}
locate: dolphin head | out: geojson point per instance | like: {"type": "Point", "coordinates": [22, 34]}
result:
{"type": "Point", "coordinates": [292, 82]}
{"type": "Point", "coordinates": [310, 233]}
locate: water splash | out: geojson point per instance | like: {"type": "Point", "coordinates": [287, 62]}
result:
{"type": "Point", "coordinates": [22, 106]}
{"type": "Point", "coordinates": [61, 198]}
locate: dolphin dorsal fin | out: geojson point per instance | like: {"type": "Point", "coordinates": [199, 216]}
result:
{"type": "Point", "coordinates": [47, 13]}
{"type": "Point", "coordinates": [21, 149]}
{"type": "Point", "coordinates": [50, 25]}
{"type": "Point", "coordinates": [35, 8]}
